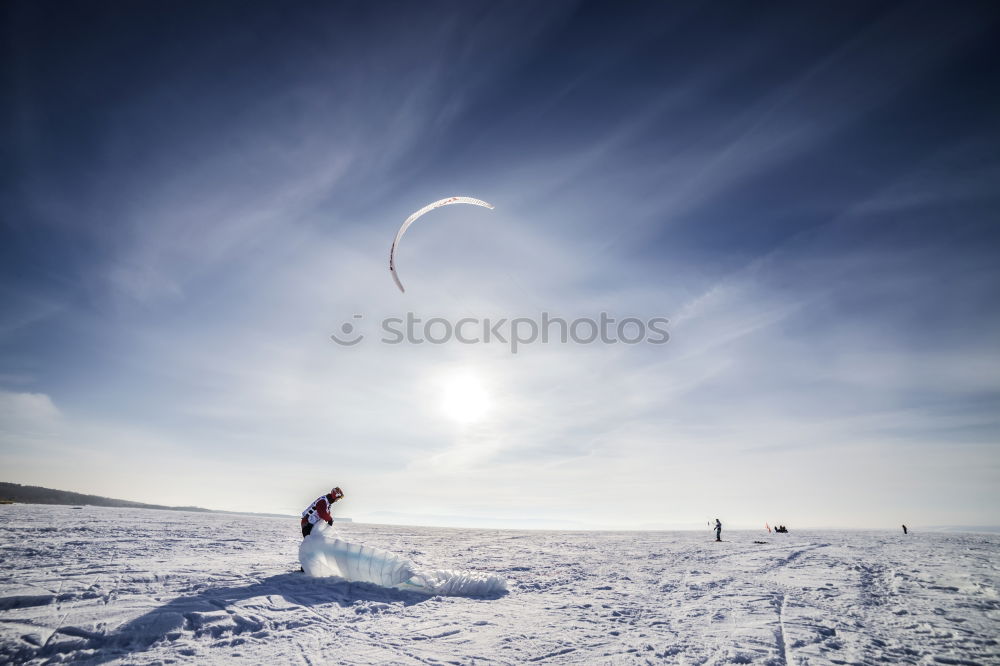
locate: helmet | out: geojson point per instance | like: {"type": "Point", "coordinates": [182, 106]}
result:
{"type": "Point", "coordinates": [337, 493]}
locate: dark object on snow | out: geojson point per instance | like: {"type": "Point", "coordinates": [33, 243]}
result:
{"type": "Point", "coordinates": [905, 531]}
{"type": "Point", "coordinates": [760, 542]}
{"type": "Point", "coordinates": [718, 530]}
{"type": "Point", "coordinates": [781, 529]}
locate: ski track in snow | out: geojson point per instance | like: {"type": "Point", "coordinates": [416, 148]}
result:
{"type": "Point", "coordinates": [101, 585]}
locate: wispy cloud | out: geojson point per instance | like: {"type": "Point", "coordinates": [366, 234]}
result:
{"type": "Point", "coordinates": [818, 230]}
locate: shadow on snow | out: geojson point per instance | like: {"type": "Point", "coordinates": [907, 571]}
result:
{"type": "Point", "coordinates": [208, 613]}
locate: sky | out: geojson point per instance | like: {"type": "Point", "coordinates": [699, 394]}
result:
{"type": "Point", "coordinates": [194, 197]}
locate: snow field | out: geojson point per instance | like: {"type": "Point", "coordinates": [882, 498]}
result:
{"type": "Point", "coordinates": [99, 585]}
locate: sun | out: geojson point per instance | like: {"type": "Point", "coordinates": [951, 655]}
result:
{"type": "Point", "coordinates": [464, 399]}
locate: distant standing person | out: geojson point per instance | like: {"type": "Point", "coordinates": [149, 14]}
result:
{"type": "Point", "coordinates": [718, 530]}
{"type": "Point", "coordinates": [320, 510]}
{"type": "Point", "coordinates": [905, 531]}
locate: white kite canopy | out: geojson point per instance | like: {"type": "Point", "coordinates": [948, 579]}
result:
{"type": "Point", "coordinates": [413, 218]}
{"type": "Point", "coordinates": [323, 553]}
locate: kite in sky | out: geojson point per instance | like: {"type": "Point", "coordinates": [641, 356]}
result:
{"type": "Point", "coordinates": [413, 218]}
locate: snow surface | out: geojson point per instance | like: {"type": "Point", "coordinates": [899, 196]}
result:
{"type": "Point", "coordinates": [102, 585]}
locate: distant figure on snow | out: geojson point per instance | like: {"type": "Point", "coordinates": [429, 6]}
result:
{"type": "Point", "coordinates": [320, 510]}
{"type": "Point", "coordinates": [905, 531]}
{"type": "Point", "coordinates": [718, 530]}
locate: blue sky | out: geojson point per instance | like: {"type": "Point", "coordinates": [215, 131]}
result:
{"type": "Point", "coordinates": [196, 195]}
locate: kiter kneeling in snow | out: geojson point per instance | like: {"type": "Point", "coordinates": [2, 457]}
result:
{"type": "Point", "coordinates": [320, 510]}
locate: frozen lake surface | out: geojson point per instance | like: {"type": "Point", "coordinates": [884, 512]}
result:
{"type": "Point", "coordinates": [99, 585]}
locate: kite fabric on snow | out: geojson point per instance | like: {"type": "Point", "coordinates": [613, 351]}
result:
{"type": "Point", "coordinates": [413, 218]}
{"type": "Point", "coordinates": [323, 553]}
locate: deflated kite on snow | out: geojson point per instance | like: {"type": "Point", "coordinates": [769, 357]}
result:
{"type": "Point", "coordinates": [413, 218]}
{"type": "Point", "coordinates": [323, 553]}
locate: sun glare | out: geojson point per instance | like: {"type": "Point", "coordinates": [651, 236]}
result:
{"type": "Point", "coordinates": [464, 399]}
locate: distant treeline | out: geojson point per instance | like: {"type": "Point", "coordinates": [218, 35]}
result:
{"type": "Point", "coordinates": [15, 492]}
